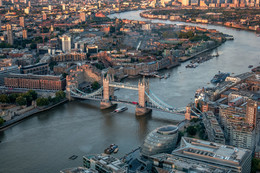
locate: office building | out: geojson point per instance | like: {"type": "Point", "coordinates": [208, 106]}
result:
{"type": "Point", "coordinates": [24, 34]}
{"type": "Point", "coordinates": [70, 57]}
{"type": "Point", "coordinates": [4, 71]}
{"type": "Point", "coordinates": [82, 17]}
{"type": "Point", "coordinates": [160, 140]}
{"type": "Point", "coordinates": [243, 136]}
{"type": "Point", "coordinates": [21, 19]}
{"type": "Point", "coordinates": [44, 16]}
{"type": "Point", "coordinates": [78, 170]}
{"type": "Point", "coordinates": [10, 39]}
{"type": "Point", "coordinates": [196, 151]}
{"type": "Point", "coordinates": [213, 129]}
{"type": "Point", "coordinates": [66, 43]}
{"type": "Point", "coordinates": [104, 163]}
{"type": "Point", "coordinates": [185, 2]}
{"type": "Point", "coordinates": [40, 69]}
{"type": "Point", "coordinates": [31, 81]}
{"type": "Point", "coordinates": [251, 112]}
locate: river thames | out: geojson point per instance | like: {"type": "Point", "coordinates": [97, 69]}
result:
{"type": "Point", "coordinates": [44, 142]}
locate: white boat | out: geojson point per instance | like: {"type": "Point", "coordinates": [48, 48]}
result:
{"type": "Point", "coordinates": [121, 109]}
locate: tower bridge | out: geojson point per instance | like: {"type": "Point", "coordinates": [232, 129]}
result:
{"type": "Point", "coordinates": [147, 100]}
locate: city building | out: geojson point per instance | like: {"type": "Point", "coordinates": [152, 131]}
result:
{"type": "Point", "coordinates": [160, 140]}
{"type": "Point", "coordinates": [24, 34]}
{"type": "Point", "coordinates": [213, 129]}
{"type": "Point", "coordinates": [78, 170]}
{"type": "Point", "coordinates": [185, 2]}
{"type": "Point", "coordinates": [21, 19]}
{"type": "Point", "coordinates": [10, 39]}
{"type": "Point", "coordinates": [66, 43]}
{"type": "Point", "coordinates": [30, 81]}
{"type": "Point", "coordinates": [44, 16]}
{"type": "Point", "coordinates": [243, 136]}
{"type": "Point", "coordinates": [252, 112]}
{"type": "Point", "coordinates": [92, 49]}
{"type": "Point", "coordinates": [229, 116]}
{"type": "Point", "coordinates": [83, 17]}
{"type": "Point", "coordinates": [196, 151]}
{"type": "Point", "coordinates": [104, 163]}
{"type": "Point", "coordinates": [4, 71]}
{"type": "Point", "coordinates": [40, 69]}
{"type": "Point", "coordinates": [69, 57]}
{"type": "Point", "coordinates": [169, 163]}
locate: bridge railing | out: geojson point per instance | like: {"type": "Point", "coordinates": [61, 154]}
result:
{"type": "Point", "coordinates": [85, 95]}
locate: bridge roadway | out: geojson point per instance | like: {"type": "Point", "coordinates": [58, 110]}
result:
{"type": "Point", "coordinates": [123, 85]}
{"type": "Point", "coordinates": [149, 105]}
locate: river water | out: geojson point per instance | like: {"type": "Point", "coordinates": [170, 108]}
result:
{"type": "Point", "coordinates": [44, 142]}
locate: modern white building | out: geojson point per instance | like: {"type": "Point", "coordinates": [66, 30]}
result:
{"type": "Point", "coordinates": [66, 43]}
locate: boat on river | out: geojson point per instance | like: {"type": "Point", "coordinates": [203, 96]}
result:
{"type": "Point", "coordinates": [220, 77]}
{"type": "Point", "coordinates": [121, 109]}
{"type": "Point", "coordinates": [113, 148]}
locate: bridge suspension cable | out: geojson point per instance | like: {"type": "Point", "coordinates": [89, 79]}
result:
{"type": "Point", "coordinates": [160, 101]}
{"type": "Point", "coordinates": [85, 95]}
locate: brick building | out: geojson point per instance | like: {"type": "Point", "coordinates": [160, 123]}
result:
{"type": "Point", "coordinates": [70, 57]}
{"type": "Point", "coordinates": [39, 69]}
{"type": "Point", "coordinates": [29, 81]}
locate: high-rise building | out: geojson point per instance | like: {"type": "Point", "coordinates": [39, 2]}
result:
{"type": "Point", "coordinates": [21, 19]}
{"type": "Point", "coordinates": [10, 38]}
{"type": "Point", "coordinates": [27, 10]}
{"type": "Point", "coordinates": [83, 17]}
{"type": "Point", "coordinates": [66, 43]}
{"type": "Point", "coordinates": [185, 2]}
{"type": "Point", "coordinates": [243, 136]}
{"type": "Point", "coordinates": [44, 16]}
{"type": "Point", "coordinates": [29, 3]}
{"type": "Point", "coordinates": [1, 3]}
{"type": "Point", "coordinates": [24, 34]}
{"type": "Point", "coordinates": [52, 28]}
{"type": "Point", "coordinates": [251, 112]}
{"type": "Point", "coordinates": [63, 7]}
{"type": "Point", "coordinates": [50, 7]}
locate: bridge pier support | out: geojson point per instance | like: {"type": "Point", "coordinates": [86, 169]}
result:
{"type": "Point", "coordinates": [140, 111]}
{"type": "Point", "coordinates": [68, 94]}
{"type": "Point", "coordinates": [105, 104]}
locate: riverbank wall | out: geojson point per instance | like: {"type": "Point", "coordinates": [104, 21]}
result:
{"type": "Point", "coordinates": [27, 114]}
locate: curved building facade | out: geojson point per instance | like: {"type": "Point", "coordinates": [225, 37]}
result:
{"type": "Point", "coordinates": [160, 140]}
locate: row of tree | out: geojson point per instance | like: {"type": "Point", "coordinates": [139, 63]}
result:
{"type": "Point", "coordinates": [59, 95]}
{"type": "Point", "coordinates": [19, 98]}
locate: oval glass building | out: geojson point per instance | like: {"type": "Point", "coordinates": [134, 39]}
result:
{"type": "Point", "coordinates": [160, 140]}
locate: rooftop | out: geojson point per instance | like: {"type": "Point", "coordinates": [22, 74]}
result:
{"type": "Point", "coordinates": [211, 151]}
{"type": "Point", "coordinates": [167, 130]}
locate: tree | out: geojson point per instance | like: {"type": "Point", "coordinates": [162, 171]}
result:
{"type": "Point", "coordinates": [4, 98]}
{"type": "Point", "coordinates": [1, 120]}
{"type": "Point", "coordinates": [12, 97]}
{"type": "Point", "coordinates": [21, 100]}
{"type": "Point", "coordinates": [28, 98]}
{"type": "Point", "coordinates": [33, 94]}
{"type": "Point", "coordinates": [95, 85]}
{"type": "Point", "coordinates": [42, 101]}
{"type": "Point", "coordinates": [60, 94]}
{"type": "Point", "coordinates": [191, 130]}
{"type": "Point", "coordinates": [52, 64]}
{"type": "Point", "coordinates": [33, 46]}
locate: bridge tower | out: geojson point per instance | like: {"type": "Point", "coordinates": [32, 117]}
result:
{"type": "Point", "coordinates": [143, 88]}
{"type": "Point", "coordinates": [108, 93]}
